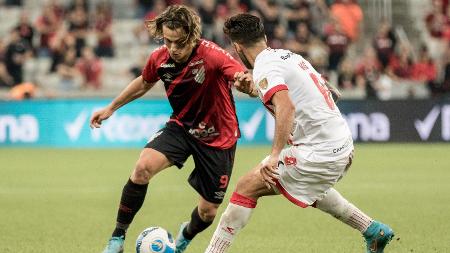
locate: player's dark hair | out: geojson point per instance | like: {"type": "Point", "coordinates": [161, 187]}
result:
{"type": "Point", "coordinates": [245, 29]}
{"type": "Point", "coordinates": [174, 17]}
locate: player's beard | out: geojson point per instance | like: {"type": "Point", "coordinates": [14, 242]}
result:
{"type": "Point", "coordinates": [244, 60]}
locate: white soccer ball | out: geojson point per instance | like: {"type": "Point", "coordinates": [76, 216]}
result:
{"type": "Point", "coordinates": [155, 240]}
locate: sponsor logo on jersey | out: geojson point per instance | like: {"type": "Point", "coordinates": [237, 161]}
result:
{"type": "Point", "coordinates": [263, 84]}
{"type": "Point", "coordinates": [167, 65]}
{"type": "Point", "coordinates": [287, 56]}
{"type": "Point", "coordinates": [339, 149]}
{"type": "Point", "coordinates": [195, 63]}
{"type": "Point", "coordinates": [202, 131]}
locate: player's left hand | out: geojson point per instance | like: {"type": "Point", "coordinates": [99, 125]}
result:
{"type": "Point", "coordinates": [269, 171]}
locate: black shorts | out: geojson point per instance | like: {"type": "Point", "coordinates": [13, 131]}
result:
{"type": "Point", "coordinates": [213, 166]}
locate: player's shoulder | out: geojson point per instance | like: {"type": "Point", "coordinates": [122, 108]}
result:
{"type": "Point", "coordinates": [210, 49]}
{"type": "Point", "coordinates": [159, 54]}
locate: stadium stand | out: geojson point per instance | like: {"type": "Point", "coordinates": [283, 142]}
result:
{"type": "Point", "coordinates": [392, 52]}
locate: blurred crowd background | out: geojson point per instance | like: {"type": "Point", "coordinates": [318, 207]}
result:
{"type": "Point", "coordinates": [371, 49]}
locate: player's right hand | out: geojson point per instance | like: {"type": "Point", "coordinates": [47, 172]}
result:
{"type": "Point", "coordinates": [269, 171]}
{"type": "Point", "coordinates": [243, 82]}
{"type": "Point", "coordinates": [99, 116]}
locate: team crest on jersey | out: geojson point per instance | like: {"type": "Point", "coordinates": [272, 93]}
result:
{"type": "Point", "coordinates": [263, 84]}
{"type": "Point", "coordinates": [199, 74]}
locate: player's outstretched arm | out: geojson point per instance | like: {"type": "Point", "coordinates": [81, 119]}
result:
{"type": "Point", "coordinates": [135, 89]}
{"type": "Point", "coordinates": [243, 82]}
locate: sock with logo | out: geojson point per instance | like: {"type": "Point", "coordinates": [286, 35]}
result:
{"type": "Point", "coordinates": [333, 203]}
{"type": "Point", "coordinates": [235, 217]}
{"type": "Point", "coordinates": [133, 196]}
{"type": "Point", "coordinates": [196, 225]}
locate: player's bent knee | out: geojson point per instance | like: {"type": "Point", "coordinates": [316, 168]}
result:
{"type": "Point", "coordinates": [143, 171]}
{"type": "Point", "coordinates": [249, 184]}
{"type": "Point", "coordinates": [207, 213]}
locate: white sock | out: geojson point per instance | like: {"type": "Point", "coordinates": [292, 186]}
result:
{"type": "Point", "coordinates": [336, 205]}
{"type": "Point", "coordinates": [235, 217]}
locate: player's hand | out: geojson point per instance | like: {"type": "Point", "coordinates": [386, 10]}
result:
{"type": "Point", "coordinates": [243, 82]}
{"type": "Point", "coordinates": [99, 116]}
{"type": "Point", "coordinates": [269, 171]}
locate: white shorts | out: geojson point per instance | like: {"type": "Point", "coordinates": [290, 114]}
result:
{"type": "Point", "coordinates": [303, 182]}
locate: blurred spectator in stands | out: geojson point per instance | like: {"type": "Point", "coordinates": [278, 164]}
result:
{"type": "Point", "coordinates": [302, 41]}
{"type": "Point", "coordinates": [25, 29]}
{"type": "Point", "coordinates": [446, 82]}
{"type": "Point", "coordinates": [91, 69]}
{"type": "Point", "coordinates": [103, 30]}
{"type": "Point", "coordinates": [136, 69]}
{"type": "Point", "coordinates": [140, 32]}
{"type": "Point", "coordinates": [16, 3]}
{"type": "Point", "coordinates": [16, 54]}
{"type": "Point", "coordinates": [384, 43]}
{"type": "Point", "coordinates": [224, 10]}
{"type": "Point", "coordinates": [83, 4]}
{"type": "Point", "coordinates": [320, 14]}
{"type": "Point", "coordinates": [425, 70]}
{"type": "Point", "coordinates": [62, 43]}
{"type": "Point", "coordinates": [48, 25]}
{"type": "Point", "coordinates": [297, 11]}
{"type": "Point", "coordinates": [279, 39]}
{"type": "Point", "coordinates": [337, 42]}
{"type": "Point", "coordinates": [369, 70]}
{"type": "Point", "coordinates": [346, 78]}
{"type": "Point", "coordinates": [5, 79]}
{"type": "Point", "coordinates": [349, 15]}
{"type": "Point", "coordinates": [401, 65]}
{"type": "Point", "coordinates": [207, 12]}
{"type": "Point", "coordinates": [270, 12]}
{"type": "Point", "coordinates": [23, 91]}
{"type": "Point", "coordinates": [69, 74]}
{"type": "Point", "coordinates": [143, 7]}
{"type": "Point", "coordinates": [383, 86]}
{"type": "Point", "coordinates": [78, 25]}
{"type": "Point", "coordinates": [436, 24]}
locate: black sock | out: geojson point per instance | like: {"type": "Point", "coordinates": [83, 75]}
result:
{"type": "Point", "coordinates": [133, 196]}
{"type": "Point", "coordinates": [195, 226]}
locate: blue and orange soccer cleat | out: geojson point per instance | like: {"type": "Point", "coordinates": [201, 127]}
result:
{"type": "Point", "coordinates": [377, 236]}
{"type": "Point", "coordinates": [181, 242]}
{"type": "Point", "coordinates": [115, 245]}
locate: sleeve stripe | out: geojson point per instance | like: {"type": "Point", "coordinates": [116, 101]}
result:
{"type": "Point", "coordinates": [272, 91]}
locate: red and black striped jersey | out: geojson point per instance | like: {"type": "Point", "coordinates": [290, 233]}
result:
{"type": "Point", "coordinates": [199, 91]}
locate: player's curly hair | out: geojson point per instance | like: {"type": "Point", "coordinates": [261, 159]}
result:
{"type": "Point", "coordinates": [177, 16]}
{"type": "Point", "coordinates": [244, 28]}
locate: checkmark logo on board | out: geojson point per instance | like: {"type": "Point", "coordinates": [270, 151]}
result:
{"type": "Point", "coordinates": [249, 128]}
{"type": "Point", "coordinates": [73, 128]}
{"type": "Point", "coordinates": [425, 126]}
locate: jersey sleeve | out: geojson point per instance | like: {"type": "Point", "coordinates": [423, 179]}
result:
{"type": "Point", "coordinates": [229, 66]}
{"type": "Point", "coordinates": [149, 73]}
{"type": "Point", "coordinates": [269, 80]}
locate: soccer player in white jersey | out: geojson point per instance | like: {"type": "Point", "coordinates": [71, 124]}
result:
{"type": "Point", "coordinates": [320, 146]}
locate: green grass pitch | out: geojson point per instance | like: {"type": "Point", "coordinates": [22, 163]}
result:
{"type": "Point", "coordinates": [66, 201]}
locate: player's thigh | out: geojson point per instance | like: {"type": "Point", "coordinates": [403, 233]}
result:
{"type": "Point", "coordinates": [150, 163]}
{"type": "Point", "coordinates": [165, 148]}
{"type": "Point", "coordinates": [212, 172]}
{"type": "Point", "coordinates": [252, 185]}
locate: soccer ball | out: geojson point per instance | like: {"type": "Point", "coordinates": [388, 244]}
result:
{"type": "Point", "coordinates": [155, 239]}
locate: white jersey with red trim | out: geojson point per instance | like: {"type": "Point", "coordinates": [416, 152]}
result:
{"type": "Point", "coordinates": [319, 131]}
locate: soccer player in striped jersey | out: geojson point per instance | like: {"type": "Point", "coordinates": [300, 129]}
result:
{"type": "Point", "coordinates": [198, 76]}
